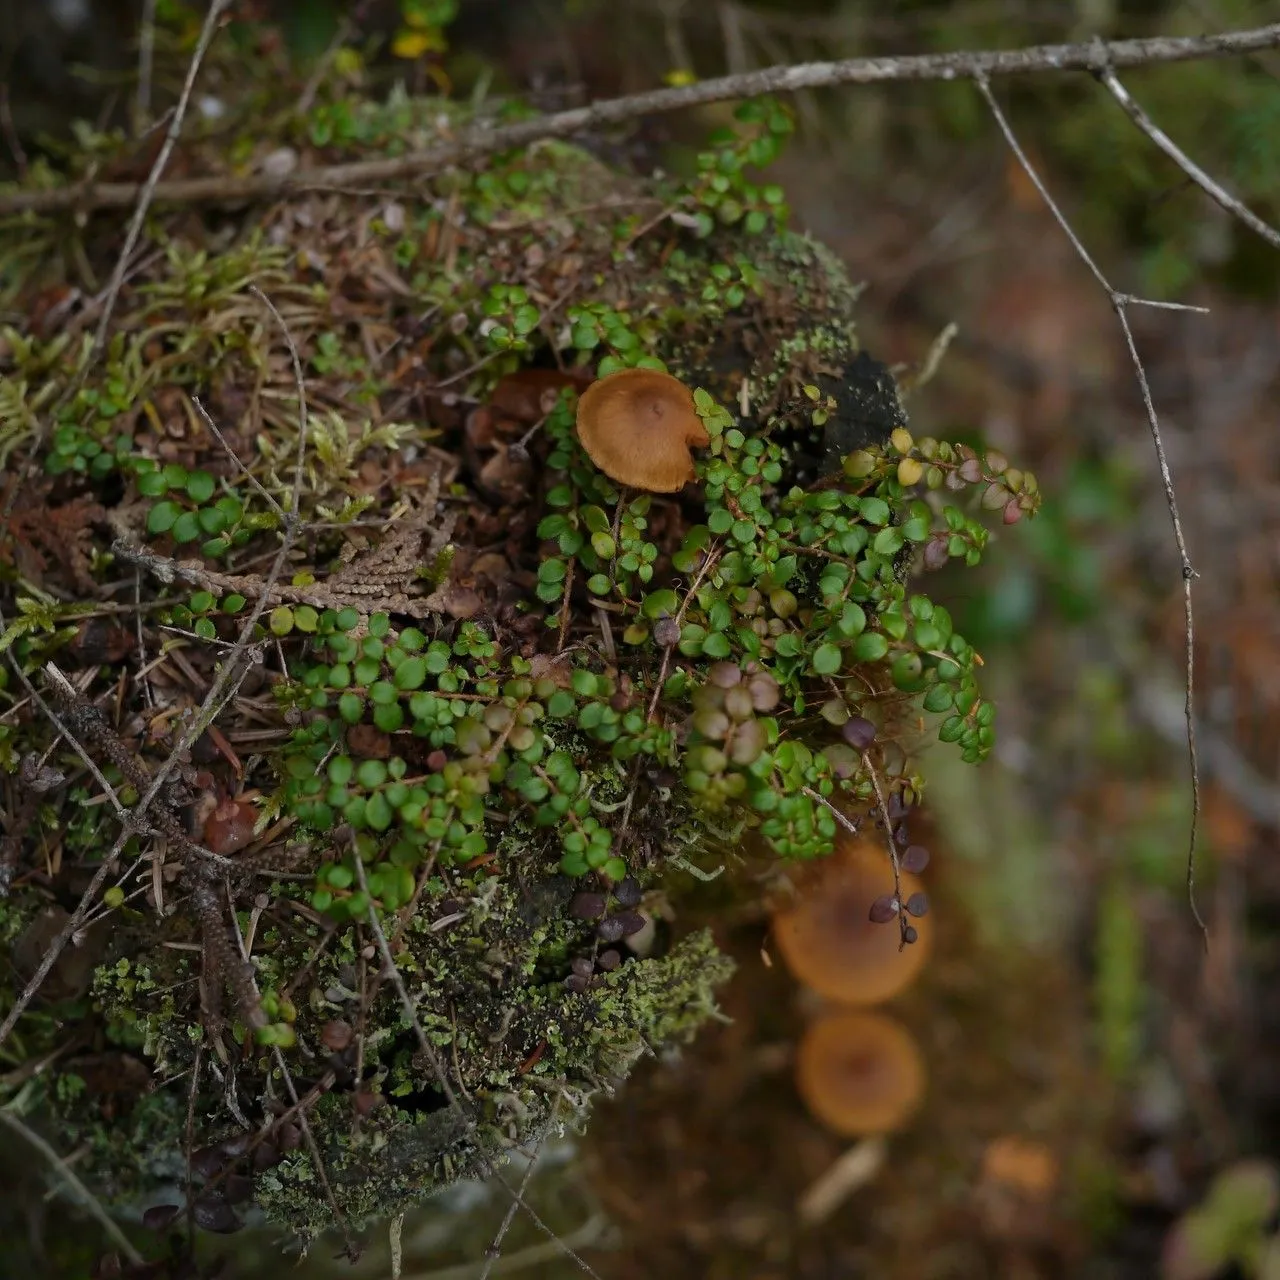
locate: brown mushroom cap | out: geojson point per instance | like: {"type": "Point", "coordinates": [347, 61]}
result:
{"type": "Point", "coordinates": [828, 941]}
{"type": "Point", "coordinates": [637, 426]}
{"type": "Point", "coordinates": [859, 1073]}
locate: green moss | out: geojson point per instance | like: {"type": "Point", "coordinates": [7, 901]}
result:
{"type": "Point", "coordinates": [478, 772]}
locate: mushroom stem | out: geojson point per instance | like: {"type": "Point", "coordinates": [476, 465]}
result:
{"type": "Point", "coordinates": [845, 1175]}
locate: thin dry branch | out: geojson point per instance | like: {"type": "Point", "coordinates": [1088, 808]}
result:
{"type": "Point", "coordinates": [471, 144]}
{"type": "Point", "coordinates": [1120, 303]}
{"type": "Point", "coordinates": [146, 60]}
{"type": "Point", "coordinates": [406, 1001]}
{"type": "Point", "coordinates": [300, 1109]}
{"type": "Point", "coordinates": [494, 1252]}
{"type": "Point", "coordinates": [1188, 166]}
{"type": "Point", "coordinates": [65, 688]}
{"type": "Point", "coordinates": [68, 1175]}
{"type": "Point", "coordinates": [147, 192]}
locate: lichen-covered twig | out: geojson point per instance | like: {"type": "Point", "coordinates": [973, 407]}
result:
{"type": "Point", "coordinates": [378, 578]}
{"type": "Point", "coordinates": [1093, 56]}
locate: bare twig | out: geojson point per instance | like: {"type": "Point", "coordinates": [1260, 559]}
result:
{"type": "Point", "coordinates": [406, 1001]}
{"type": "Point", "coordinates": [845, 1175]}
{"type": "Point", "coordinates": [346, 28]}
{"type": "Point", "coordinates": [145, 194]}
{"type": "Point", "coordinates": [708, 563]}
{"type": "Point", "coordinates": [586, 1235]}
{"type": "Point", "coordinates": [1188, 166]}
{"type": "Point", "coordinates": [65, 688]}
{"type": "Point", "coordinates": [82, 1193]}
{"type": "Point", "coordinates": [235, 458]}
{"type": "Point", "coordinates": [852, 829]}
{"type": "Point", "coordinates": [299, 383]}
{"type": "Point", "coordinates": [1120, 303]}
{"type": "Point", "coordinates": [10, 132]}
{"type": "Point", "coordinates": [483, 140]}
{"type": "Point", "coordinates": [494, 1251]}
{"type": "Point", "coordinates": [146, 60]}
{"type": "Point", "coordinates": [883, 804]}
{"type": "Point", "coordinates": [304, 1124]}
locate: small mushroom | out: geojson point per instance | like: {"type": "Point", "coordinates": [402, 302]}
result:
{"type": "Point", "coordinates": [638, 425]}
{"type": "Point", "coordinates": [828, 940]}
{"type": "Point", "coordinates": [859, 1073]}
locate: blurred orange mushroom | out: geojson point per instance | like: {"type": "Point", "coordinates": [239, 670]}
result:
{"type": "Point", "coordinates": [1023, 1165]}
{"type": "Point", "coordinates": [828, 940]}
{"type": "Point", "coordinates": [637, 426]}
{"type": "Point", "coordinates": [859, 1073]}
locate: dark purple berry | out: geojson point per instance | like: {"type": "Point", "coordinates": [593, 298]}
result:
{"type": "Point", "coordinates": [576, 983]}
{"type": "Point", "coordinates": [265, 1156]}
{"type": "Point", "coordinates": [666, 632]}
{"type": "Point", "coordinates": [609, 960]}
{"type": "Point", "coordinates": [918, 904]}
{"type": "Point", "coordinates": [289, 1137]}
{"type": "Point", "coordinates": [611, 929]}
{"type": "Point", "coordinates": [587, 906]}
{"type": "Point", "coordinates": [883, 909]}
{"type": "Point", "coordinates": [858, 732]}
{"type": "Point", "coordinates": [909, 935]}
{"type": "Point", "coordinates": [582, 966]}
{"type": "Point", "coordinates": [239, 1188]}
{"type": "Point", "coordinates": [214, 1214]}
{"type": "Point", "coordinates": [207, 1162]}
{"type": "Point", "coordinates": [915, 859]}
{"type": "Point", "coordinates": [631, 922]}
{"type": "Point", "coordinates": [236, 1145]}
{"type": "Point", "coordinates": [627, 893]}
{"type": "Point", "coordinates": [160, 1216]}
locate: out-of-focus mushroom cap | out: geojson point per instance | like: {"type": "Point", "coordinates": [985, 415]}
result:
{"type": "Point", "coordinates": [637, 426]}
{"type": "Point", "coordinates": [827, 940]}
{"type": "Point", "coordinates": [859, 1073]}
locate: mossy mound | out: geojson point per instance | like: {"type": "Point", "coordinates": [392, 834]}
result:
{"type": "Point", "coordinates": [426, 682]}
